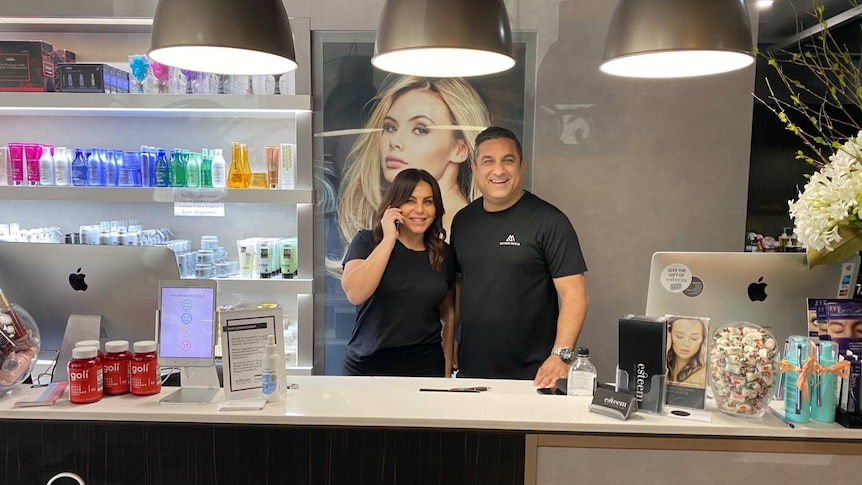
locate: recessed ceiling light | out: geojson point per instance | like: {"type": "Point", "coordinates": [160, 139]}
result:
{"type": "Point", "coordinates": [764, 4]}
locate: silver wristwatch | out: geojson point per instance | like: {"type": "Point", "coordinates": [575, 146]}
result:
{"type": "Point", "coordinates": [565, 353]}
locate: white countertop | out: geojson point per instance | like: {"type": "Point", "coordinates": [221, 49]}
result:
{"type": "Point", "coordinates": [397, 402]}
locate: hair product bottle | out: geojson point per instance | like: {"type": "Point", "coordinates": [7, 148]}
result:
{"type": "Point", "coordinates": [269, 372]}
{"type": "Point", "coordinates": [822, 387]}
{"type": "Point", "coordinates": [219, 171]}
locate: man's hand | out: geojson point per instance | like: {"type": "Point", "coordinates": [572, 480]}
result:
{"type": "Point", "coordinates": [552, 369]}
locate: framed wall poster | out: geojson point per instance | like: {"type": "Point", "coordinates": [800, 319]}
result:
{"type": "Point", "coordinates": [352, 100]}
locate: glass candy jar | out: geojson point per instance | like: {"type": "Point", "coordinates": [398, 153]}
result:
{"type": "Point", "coordinates": [742, 369]}
{"type": "Point", "coordinates": [19, 345]}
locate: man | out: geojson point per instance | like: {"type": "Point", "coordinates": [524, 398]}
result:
{"type": "Point", "coordinates": [522, 292]}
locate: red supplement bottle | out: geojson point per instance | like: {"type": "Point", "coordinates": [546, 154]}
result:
{"type": "Point", "coordinates": [145, 369]}
{"type": "Point", "coordinates": [116, 367]}
{"type": "Point", "coordinates": [85, 375]}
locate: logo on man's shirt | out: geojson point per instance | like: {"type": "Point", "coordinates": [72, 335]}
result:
{"type": "Point", "coordinates": [510, 241]}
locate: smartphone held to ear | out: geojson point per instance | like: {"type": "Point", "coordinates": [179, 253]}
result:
{"type": "Point", "coordinates": [397, 225]}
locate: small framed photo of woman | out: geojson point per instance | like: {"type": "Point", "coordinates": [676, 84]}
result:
{"type": "Point", "coordinates": [686, 361]}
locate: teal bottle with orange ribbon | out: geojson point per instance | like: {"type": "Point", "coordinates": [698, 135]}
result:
{"type": "Point", "coordinates": [797, 405]}
{"type": "Point", "coordinates": [823, 382]}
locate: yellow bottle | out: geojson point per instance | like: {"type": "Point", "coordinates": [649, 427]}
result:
{"type": "Point", "coordinates": [246, 165]}
{"type": "Point", "coordinates": [236, 177]}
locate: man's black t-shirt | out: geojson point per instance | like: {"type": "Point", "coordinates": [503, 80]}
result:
{"type": "Point", "coordinates": [508, 260]}
{"type": "Point", "coordinates": [404, 311]}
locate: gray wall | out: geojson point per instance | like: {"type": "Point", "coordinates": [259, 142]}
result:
{"type": "Point", "coordinates": [664, 165]}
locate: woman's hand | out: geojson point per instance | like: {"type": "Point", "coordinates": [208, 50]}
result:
{"type": "Point", "coordinates": [391, 217]}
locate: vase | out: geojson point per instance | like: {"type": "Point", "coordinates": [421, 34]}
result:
{"type": "Point", "coordinates": [848, 246]}
{"type": "Point", "coordinates": [20, 347]}
{"type": "Point", "coordinates": [742, 369]}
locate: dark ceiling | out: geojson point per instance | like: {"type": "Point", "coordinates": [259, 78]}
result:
{"type": "Point", "coordinates": [783, 22]}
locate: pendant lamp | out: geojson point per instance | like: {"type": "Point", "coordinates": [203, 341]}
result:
{"type": "Point", "coordinates": [444, 38]}
{"type": "Point", "coordinates": [678, 38]}
{"type": "Point", "coordinates": [223, 36]}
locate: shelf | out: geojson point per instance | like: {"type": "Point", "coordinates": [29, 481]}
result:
{"type": "Point", "coordinates": [155, 105]}
{"type": "Point", "coordinates": [92, 25]}
{"type": "Point", "coordinates": [298, 286]}
{"type": "Point", "coordinates": [161, 195]}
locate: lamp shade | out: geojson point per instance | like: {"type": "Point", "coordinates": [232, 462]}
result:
{"type": "Point", "coordinates": [223, 36]}
{"type": "Point", "coordinates": [444, 38]}
{"type": "Point", "coordinates": [678, 38]}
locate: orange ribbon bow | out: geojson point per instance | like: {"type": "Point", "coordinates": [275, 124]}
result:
{"type": "Point", "coordinates": [840, 369]}
{"type": "Point", "coordinates": [802, 377]}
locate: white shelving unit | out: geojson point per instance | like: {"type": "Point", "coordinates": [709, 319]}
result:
{"type": "Point", "coordinates": [151, 117]}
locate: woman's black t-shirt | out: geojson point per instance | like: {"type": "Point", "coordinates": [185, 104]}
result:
{"type": "Point", "coordinates": [404, 311]}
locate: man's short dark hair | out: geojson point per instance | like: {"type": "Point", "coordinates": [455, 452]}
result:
{"type": "Point", "coordinates": [493, 132]}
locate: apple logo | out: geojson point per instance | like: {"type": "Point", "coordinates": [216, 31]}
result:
{"type": "Point", "coordinates": [757, 291]}
{"type": "Point", "coordinates": [77, 281]}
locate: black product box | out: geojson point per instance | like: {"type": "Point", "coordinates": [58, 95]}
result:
{"type": "Point", "coordinates": [30, 65]}
{"type": "Point", "coordinates": [92, 78]}
{"type": "Point", "coordinates": [642, 368]}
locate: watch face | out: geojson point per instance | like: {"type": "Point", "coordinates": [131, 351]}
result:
{"type": "Point", "coordinates": [567, 354]}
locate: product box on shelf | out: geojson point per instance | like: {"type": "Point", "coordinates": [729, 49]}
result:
{"type": "Point", "coordinates": [92, 78]}
{"type": "Point", "coordinates": [30, 65]}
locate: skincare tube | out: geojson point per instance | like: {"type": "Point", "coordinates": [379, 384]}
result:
{"type": "Point", "coordinates": [246, 251]}
{"type": "Point", "coordinates": [272, 166]}
{"type": "Point", "coordinates": [823, 387]}
{"type": "Point", "coordinates": [32, 153]}
{"type": "Point", "coordinates": [796, 405]}
{"type": "Point", "coordinates": [16, 163]}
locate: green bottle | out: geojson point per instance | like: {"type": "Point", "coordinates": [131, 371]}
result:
{"type": "Point", "coordinates": [178, 169]}
{"type": "Point", "coordinates": [193, 170]}
{"type": "Point", "coordinates": [206, 169]}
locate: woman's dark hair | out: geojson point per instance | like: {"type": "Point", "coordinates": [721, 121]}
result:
{"type": "Point", "coordinates": [696, 360]}
{"type": "Point", "coordinates": [400, 192]}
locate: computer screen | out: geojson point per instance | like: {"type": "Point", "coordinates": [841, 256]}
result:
{"type": "Point", "coordinates": [120, 283]}
{"type": "Point", "coordinates": [767, 289]}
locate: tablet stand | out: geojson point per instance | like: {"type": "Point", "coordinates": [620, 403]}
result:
{"type": "Point", "coordinates": [78, 327]}
{"type": "Point", "coordinates": [198, 385]}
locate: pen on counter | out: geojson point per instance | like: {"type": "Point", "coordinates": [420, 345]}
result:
{"type": "Point", "coordinates": [781, 418]}
{"type": "Point", "coordinates": [457, 389]}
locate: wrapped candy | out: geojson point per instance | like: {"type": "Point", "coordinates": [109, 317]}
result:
{"type": "Point", "coordinates": [742, 369]}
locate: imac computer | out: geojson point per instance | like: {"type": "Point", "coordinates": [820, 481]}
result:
{"type": "Point", "coordinates": [768, 289]}
{"type": "Point", "coordinates": [56, 283]}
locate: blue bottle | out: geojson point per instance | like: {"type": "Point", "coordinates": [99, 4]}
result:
{"type": "Point", "coordinates": [112, 166]}
{"type": "Point", "coordinates": [797, 407]}
{"type": "Point", "coordinates": [823, 387]}
{"type": "Point", "coordinates": [146, 164]}
{"type": "Point", "coordinates": [163, 169]}
{"type": "Point", "coordinates": [131, 168]}
{"type": "Point", "coordinates": [79, 169]}
{"type": "Point", "coordinates": [95, 169]}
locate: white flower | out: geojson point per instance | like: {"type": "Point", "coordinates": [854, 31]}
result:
{"type": "Point", "coordinates": [831, 198]}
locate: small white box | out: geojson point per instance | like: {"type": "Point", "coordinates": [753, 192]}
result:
{"type": "Point", "coordinates": [287, 153]}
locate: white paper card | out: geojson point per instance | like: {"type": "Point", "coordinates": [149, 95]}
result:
{"type": "Point", "coordinates": [243, 336]}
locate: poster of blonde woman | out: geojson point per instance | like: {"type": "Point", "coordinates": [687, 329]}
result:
{"type": "Point", "coordinates": [376, 124]}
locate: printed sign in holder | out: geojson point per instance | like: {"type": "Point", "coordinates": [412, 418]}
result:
{"type": "Point", "coordinates": [243, 336]}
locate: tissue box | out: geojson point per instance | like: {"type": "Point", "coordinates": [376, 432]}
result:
{"type": "Point", "coordinates": [92, 78]}
{"type": "Point", "coordinates": [642, 368]}
{"type": "Point", "coordinates": [30, 65]}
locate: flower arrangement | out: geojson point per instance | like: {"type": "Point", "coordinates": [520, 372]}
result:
{"type": "Point", "coordinates": [827, 212]}
{"type": "Point", "coordinates": [822, 108]}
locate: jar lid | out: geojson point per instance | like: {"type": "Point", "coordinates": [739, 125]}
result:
{"type": "Point", "coordinates": [117, 346]}
{"type": "Point", "coordinates": [88, 343]}
{"type": "Point", "coordinates": [145, 346]}
{"type": "Point", "coordinates": [84, 352]}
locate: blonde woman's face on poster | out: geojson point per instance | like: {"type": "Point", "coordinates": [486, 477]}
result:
{"type": "Point", "coordinates": [410, 140]}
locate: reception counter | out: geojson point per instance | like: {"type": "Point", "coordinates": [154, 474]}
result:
{"type": "Point", "coordinates": [385, 430]}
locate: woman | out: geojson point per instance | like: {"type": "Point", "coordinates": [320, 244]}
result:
{"type": "Point", "coordinates": [401, 276]}
{"type": "Point", "coordinates": [687, 353]}
{"type": "Point", "coordinates": [424, 123]}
